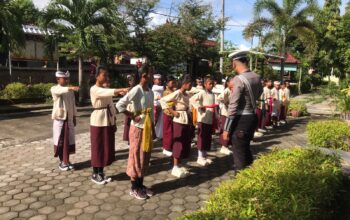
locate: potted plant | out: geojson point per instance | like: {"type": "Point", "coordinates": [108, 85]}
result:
{"type": "Point", "coordinates": [297, 108]}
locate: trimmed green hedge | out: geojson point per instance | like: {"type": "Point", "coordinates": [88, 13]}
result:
{"type": "Point", "coordinates": [21, 91]}
{"type": "Point", "coordinates": [333, 134]}
{"type": "Point", "coordinates": [284, 184]}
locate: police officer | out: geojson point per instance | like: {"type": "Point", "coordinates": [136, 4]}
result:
{"type": "Point", "coordinates": [242, 120]}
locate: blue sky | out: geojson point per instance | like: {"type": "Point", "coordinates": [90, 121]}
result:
{"type": "Point", "coordinates": [239, 12]}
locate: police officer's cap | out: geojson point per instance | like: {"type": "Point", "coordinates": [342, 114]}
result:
{"type": "Point", "coordinates": [238, 54]}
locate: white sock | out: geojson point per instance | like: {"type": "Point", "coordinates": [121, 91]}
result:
{"type": "Point", "coordinates": [202, 153]}
{"type": "Point", "coordinates": [176, 167]}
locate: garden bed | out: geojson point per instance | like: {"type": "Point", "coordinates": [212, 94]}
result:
{"type": "Point", "coordinates": [334, 134]}
{"type": "Point", "coordinates": [284, 184]}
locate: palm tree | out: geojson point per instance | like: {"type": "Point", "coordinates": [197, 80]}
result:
{"type": "Point", "coordinates": [78, 20]}
{"type": "Point", "coordinates": [283, 23]}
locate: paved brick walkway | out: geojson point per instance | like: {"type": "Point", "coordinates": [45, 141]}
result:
{"type": "Point", "coordinates": [32, 187]}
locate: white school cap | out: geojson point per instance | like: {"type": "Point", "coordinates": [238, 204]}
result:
{"type": "Point", "coordinates": [61, 74]}
{"type": "Point", "coordinates": [157, 76]}
{"type": "Point", "coordinates": [276, 83]}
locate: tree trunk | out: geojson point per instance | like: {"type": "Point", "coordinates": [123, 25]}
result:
{"type": "Point", "coordinates": [81, 84]}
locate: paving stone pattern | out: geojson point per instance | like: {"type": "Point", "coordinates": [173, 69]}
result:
{"type": "Point", "coordinates": [32, 187]}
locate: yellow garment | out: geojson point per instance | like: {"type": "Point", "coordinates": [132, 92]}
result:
{"type": "Point", "coordinates": [171, 105]}
{"type": "Point", "coordinates": [194, 116]}
{"type": "Point", "coordinates": [147, 133]}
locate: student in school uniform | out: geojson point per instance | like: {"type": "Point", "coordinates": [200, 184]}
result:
{"type": "Point", "coordinates": [217, 90]}
{"type": "Point", "coordinates": [269, 104]}
{"type": "Point", "coordinates": [141, 132]}
{"type": "Point", "coordinates": [224, 99]}
{"type": "Point", "coordinates": [64, 120]}
{"type": "Point", "coordinates": [262, 109]}
{"type": "Point", "coordinates": [276, 107]}
{"type": "Point", "coordinates": [204, 103]}
{"type": "Point", "coordinates": [127, 119]}
{"type": "Point", "coordinates": [182, 125]}
{"type": "Point", "coordinates": [168, 119]}
{"type": "Point", "coordinates": [102, 125]}
{"type": "Point", "coordinates": [197, 88]}
{"type": "Point", "coordinates": [285, 98]}
{"type": "Point", "coordinates": [260, 112]}
{"type": "Point", "coordinates": [158, 90]}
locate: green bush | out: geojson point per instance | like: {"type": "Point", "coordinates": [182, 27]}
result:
{"type": "Point", "coordinates": [41, 90]}
{"type": "Point", "coordinates": [21, 91]}
{"type": "Point", "coordinates": [285, 184]}
{"type": "Point", "coordinates": [333, 134]}
{"type": "Point", "coordinates": [15, 91]}
{"type": "Point", "coordinates": [298, 105]}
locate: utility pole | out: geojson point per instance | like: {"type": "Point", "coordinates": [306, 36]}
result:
{"type": "Point", "coordinates": [10, 65]}
{"type": "Point", "coordinates": [222, 36]}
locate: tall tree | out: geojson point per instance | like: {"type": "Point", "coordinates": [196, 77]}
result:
{"type": "Point", "coordinates": [166, 47]}
{"type": "Point", "coordinates": [282, 23]}
{"type": "Point", "coordinates": [327, 26]}
{"type": "Point", "coordinates": [11, 34]}
{"type": "Point", "coordinates": [137, 16]}
{"type": "Point", "coordinates": [79, 21]}
{"type": "Point", "coordinates": [199, 25]}
{"type": "Point", "coordinates": [28, 12]}
{"type": "Point", "coordinates": [343, 43]}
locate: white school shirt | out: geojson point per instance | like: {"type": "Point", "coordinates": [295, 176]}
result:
{"type": "Point", "coordinates": [158, 93]}
{"type": "Point", "coordinates": [63, 103]}
{"type": "Point", "coordinates": [204, 98]}
{"type": "Point", "coordinates": [217, 90]}
{"type": "Point", "coordinates": [101, 99]}
{"type": "Point", "coordinates": [276, 96]}
{"type": "Point", "coordinates": [139, 100]}
{"type": "Point", "coordinates": [224, 100]}
{"type": "Point", "coordinates": [182, 105]}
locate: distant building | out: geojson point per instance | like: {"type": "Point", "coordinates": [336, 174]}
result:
{"type": "Point", "coordinates": [34, 53]}
{"type": "Point", "coordinates": [290, 65]}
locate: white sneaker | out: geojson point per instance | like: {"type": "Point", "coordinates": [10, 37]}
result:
{"type": "Point", "coordinates": [262, 130]}
{"type": "Point", "coordinates": [269, 127]}
{"type": "Point", "coordinates": [202, 161]}
{"type": "Point", "coordinates": [178, 172]}
{"type": "Point", "coordinates": [258, 134]}
{"type": "Point", "coordinates": [283, 122]}
{"type": "Point", "coordinates": [278, 124]}
{"type": "Point", "coordinates": [185, 170]}
{"type": "Point", "coordinates": [167, 153]}
{"type": "Point", "coordinates": [225, 150]}
{"type": "Point", "coordinates": [209, 161]}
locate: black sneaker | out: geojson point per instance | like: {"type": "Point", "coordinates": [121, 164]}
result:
{"type": "Point", "coordinates": [98, 179]}
{"type": "Point", "coordinates": [138, 194]}
{"type": "Point", "coordinates": [147, 191]}
{"type": "Point", "coordinates": [62, 166]}
{"type": "Point", "coordinates": [107, 179]}
{"type": "Point", "coordinates": [70, 166]}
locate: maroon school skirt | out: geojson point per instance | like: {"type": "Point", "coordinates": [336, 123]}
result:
{"type": "Point", "coordinates": [157, 111]}
{"type": "Point", "coordinates": [167, 132]}
{"type": "Point", "coordinates": [102, 145]}
{"type": "Point", "coordinates": [283, 114]}
{"type": "Point", "coordinates": [63, 149]}
{"type": "Point", "coordinates": [127, 122]}
{"type": "Point", "coordinates": [182, 138]}
{"type": "Point", "coordinates": [268, 116]}
{"type": "Point", "coordinates": [222, 123]}
{"type": "Point", "coordinates": [204, 138]}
